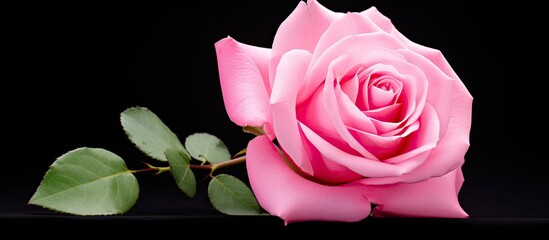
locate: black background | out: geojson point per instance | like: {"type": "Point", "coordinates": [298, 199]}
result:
{"type": "Point", "coordinates": [73, 67]}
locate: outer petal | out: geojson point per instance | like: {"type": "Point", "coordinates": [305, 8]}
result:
{"type": "Point", "coordinates": [433, 55]}
{"type": "Point", "coordinates": [243, 72]}
{"type": "Point", "coordinates": [292, 68]}
{"type": "Point", "coordinates": [381, 21]}
{"type": "Point", "coordinates": [441, 86]}
{"type": "Point", "coordinates": [283, 193]}
{"type": "Point", "coordinates": [350, 24]}
{"type": "Point", "coordinates": [301, 30]}
{"type": "Point", "coordinates": [435, 197]}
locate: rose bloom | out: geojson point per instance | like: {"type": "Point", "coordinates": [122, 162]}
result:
{"type": "Point", "coordinates": [357, 118]}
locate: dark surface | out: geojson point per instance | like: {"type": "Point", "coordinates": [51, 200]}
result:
{"type": "Point", "coordinates": [267, 227]}
{"type": "Point", "coordinates": [74, 67]}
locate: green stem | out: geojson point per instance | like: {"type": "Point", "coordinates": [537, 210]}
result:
{"type": "Point", "coordinates": [151, 168]}
{"type": "Point", "coordinates": [213, 167]}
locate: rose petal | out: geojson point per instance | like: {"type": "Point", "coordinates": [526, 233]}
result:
{"type": "Point", "coordinates": [386, 114]}
{"type": "Point", "coordinates": [313, 114]}
{"type": "Point", "coordinates": [425, 138]}
{"type": "Point", "coordinates": [416, 149]}
{"type": "Point", "coordinates": [450, 150]}
{"type": "Point", "coordinates": [348, 25]}
{"type": "Point", "coordinates": [352, 116]}
{"type": "Point", "coordinates": [350, 88]}
{"type": "Point", "coordinates": [289, 78]}
{"type": "Point", "coordinates": [382, 21]}
{"type": "Point", "coordinates": [434, 55]}
{"type": "Point", "coordinates": [316, 116]}
{"type": "Point", "coordinates": [301, 30]}
{"type": "Point", "coordinates": [441, 86]}
{"type": "Point", "coordinates": [349, 110]}
{"type": "Point", "coordinates": [435, 197]}
{"type": "Point", "coordinates": [412, 98]}
{"type": "Point", "coordinates": [285, 194]}
{"type": "Point", "coordinates": [326, 170]}
{"type": "Point", "coordinates": [356, 47]}
{"type": "Point", "coordinates": [243, 74]}
{"type": "Point", "coordinates": [389, 113]}
{"type": "Point", "coordinates": [371, 169]}
{"type": "Point", "coordinates": [340, 66]}
{"type": "Point", "coordinates": [381, 97]}
{"type": "Point", "coordinates": [382, 147]}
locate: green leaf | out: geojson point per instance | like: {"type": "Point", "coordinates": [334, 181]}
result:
{"type": "Point", "coordinates": [87, 181]}
{"type": "Point", "coordinates": [206, 147]}
{"type": "Point", "coordinates": [149, 133]}
{"type": "Point", "coordinates": [231, 196]}
{"type": "Point", "coordinates": [181, 171]}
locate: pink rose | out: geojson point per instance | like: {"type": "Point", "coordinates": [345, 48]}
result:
{"type": "Point", "coordinates": [363, 117]}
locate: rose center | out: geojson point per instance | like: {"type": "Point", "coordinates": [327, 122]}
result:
{"type": "Point", "coordinates": [382, 92]}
